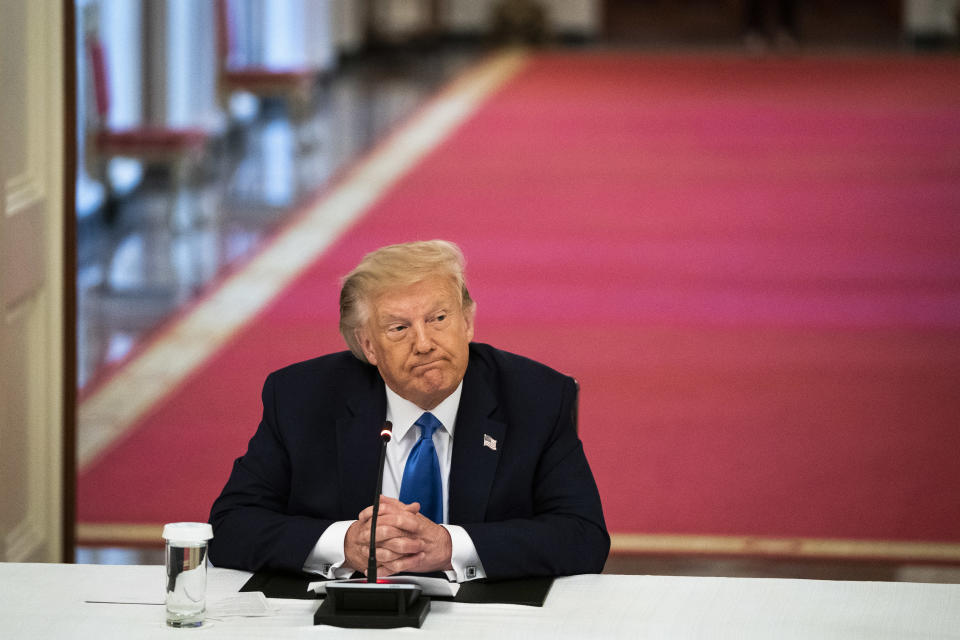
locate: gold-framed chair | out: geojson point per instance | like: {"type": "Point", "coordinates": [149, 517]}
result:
{"type": "Point", "coordinates": [179, 149]}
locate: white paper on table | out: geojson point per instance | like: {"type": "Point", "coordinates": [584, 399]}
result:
{"type": "Point", "coordinates": [249, 604]}
{"type": "Point", "coordinates": [429, 586]}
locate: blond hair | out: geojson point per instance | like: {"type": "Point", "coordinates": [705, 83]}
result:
{"type": "Point", "coordinates": [398, 265]}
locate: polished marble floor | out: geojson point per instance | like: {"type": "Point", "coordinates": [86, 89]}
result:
{"type": "Point", "coordinates": [163, 249]}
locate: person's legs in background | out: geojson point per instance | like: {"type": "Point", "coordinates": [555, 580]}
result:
{"type": "Point", "coordinates": [788, 32]}
{"type": "Point", "coordinates": [754, 28]}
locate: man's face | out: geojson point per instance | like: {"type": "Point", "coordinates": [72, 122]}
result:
{"type": "Point", "coordinates": [418, 338]}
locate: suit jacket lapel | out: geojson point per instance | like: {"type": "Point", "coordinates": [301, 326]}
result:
{"type": "Point", "coordinates": [358, 449]}
{"type": "Point", "coordinates": [474, 465]}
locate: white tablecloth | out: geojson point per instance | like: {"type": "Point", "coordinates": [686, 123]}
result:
{"type": "Point", "coordinates": [49, 601]}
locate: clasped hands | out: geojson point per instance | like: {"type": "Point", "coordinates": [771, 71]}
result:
{"type": "Point", "coordinates": [407, 541]}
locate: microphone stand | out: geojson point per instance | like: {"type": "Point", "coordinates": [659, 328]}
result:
{"type": "Point", "coordinates": [385, 436]}
{"type": "Point", "coordinates": [370, 603]}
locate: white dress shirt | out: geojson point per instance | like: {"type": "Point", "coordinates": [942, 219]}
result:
{"type": "Point", "coordinates": [327, 557]}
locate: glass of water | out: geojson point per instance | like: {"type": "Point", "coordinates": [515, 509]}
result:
{"type": "Point", "coordinates": [186, 545]}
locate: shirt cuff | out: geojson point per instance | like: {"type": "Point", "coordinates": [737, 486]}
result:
{"type": "Point", "coordinates": [327, 558]}
{"type": "Point", "coordinates": [464, 559]}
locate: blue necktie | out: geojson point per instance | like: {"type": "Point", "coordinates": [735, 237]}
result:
{"type": "Point", "coordinates": [421, 477]}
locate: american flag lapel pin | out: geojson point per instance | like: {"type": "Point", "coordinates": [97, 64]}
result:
{"type": "Point", "coordinates": [489, 442]}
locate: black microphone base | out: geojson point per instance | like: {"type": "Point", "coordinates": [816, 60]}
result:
{"type": "Point", "coordinates": [372, 606]}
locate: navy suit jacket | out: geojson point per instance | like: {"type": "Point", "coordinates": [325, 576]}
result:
{"type": "Point", "coordinates": [531, 506]}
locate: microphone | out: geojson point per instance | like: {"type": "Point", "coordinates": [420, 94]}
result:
{"type": "Point", "coordinates": [372, 603]}
{"type": "Point", "coordinates": [385, 434]}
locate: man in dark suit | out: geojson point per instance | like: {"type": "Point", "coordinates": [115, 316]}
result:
{"type": "Point", "coordinates": [485, 475]}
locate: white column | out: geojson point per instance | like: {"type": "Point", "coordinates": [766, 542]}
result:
{"type": "Point", "coordinates": [190, 64]}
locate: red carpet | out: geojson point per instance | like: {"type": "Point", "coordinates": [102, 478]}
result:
{"type": "Point", "coordinates": [752, 267]}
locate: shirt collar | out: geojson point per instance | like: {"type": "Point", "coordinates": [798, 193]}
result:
{"type": "Point", "coordinates": [403, 413]}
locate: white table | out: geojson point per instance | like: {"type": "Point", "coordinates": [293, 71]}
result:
{"type": "Point", "coordinates": [48, 601]}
